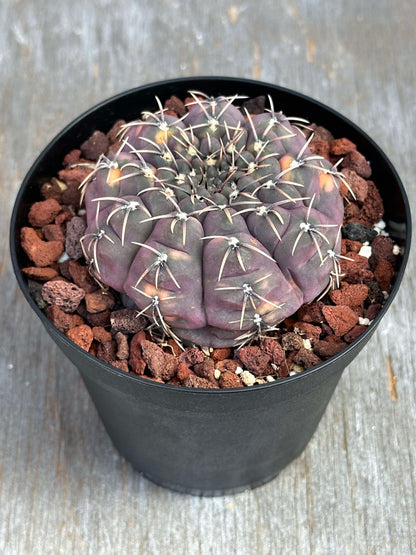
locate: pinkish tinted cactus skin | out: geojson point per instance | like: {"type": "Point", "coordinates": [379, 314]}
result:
{"type": "Point", "coordinates": [218, 225]}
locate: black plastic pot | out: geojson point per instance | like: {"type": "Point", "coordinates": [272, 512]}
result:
{"type": "Point", "coordinates": [209, 442]}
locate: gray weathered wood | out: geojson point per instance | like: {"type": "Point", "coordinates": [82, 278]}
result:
{"type": "Point", "coordinates": [63, 487]}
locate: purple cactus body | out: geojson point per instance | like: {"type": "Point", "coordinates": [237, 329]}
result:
{"type": "Point", "coordinates": [217, 225]}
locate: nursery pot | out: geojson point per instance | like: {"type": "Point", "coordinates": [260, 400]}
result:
{"type": "Point", "coordinates": [218, 441]}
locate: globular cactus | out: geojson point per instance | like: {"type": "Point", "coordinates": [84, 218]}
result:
{"type": "Point", "coordinates": [218, 225]}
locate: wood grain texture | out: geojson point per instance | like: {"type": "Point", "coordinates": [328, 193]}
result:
{"type": "Point", "coordinates": [63, 487]}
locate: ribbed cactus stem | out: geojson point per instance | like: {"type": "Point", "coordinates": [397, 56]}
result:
{"type": "Point", "coordinates": [219, 224]}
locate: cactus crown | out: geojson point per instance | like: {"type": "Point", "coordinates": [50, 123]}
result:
{"type": "Point", "coordinates": [217, 225]}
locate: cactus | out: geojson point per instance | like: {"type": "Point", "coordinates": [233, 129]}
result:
{"type": "Point", "coordinates": [218, 225]}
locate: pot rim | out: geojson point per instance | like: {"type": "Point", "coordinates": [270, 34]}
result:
{"type": "Point", "coordinates": [325, 365]}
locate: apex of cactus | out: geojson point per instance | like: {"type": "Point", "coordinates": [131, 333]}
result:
{"type": "Point", "coordinates": [219, 224]}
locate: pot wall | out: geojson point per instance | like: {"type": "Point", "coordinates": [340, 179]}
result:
{"type": "Point", "coordinates": [208, 441]}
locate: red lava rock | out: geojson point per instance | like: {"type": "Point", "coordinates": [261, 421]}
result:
{"type": "Point", "coordinates": [357, 184]}
{"type": "Point", "coordinates": [93, 349]}
{"type": "Point", "coordinates": [99, 319]}
{"type": "Point", "coordinates": [348, 245]}
{"type": "Point", "coordinates": [171, 367]}
{"type": "Point", "coordinates": [321, 133]}
{"type": "Point", "coordinates": [98, 301]}
{"type": "Point", "coordinates": [136, 361]}
{"type": "Point", "coordinates": [291, 341]}
{"type": "Point", "coordinates": [107, 351]}
{"type": "Point", "coordinates": [174, 347]}
{"type": "Point", "coordinates": [352, 211]}
{"type": "Point", "coordinates": [372, 311]}
{"type": "Point", "coordinates": [228, 364]}
{"type": "Point", "coordinates": [43, 212]}
{"type": "Point", "coordinates": [375, 294]}
{"type": "Point", "coordinates": [161, 365]}
{"type": "Point", "coordinates": [62, 320]}
{"type": "Point", "coordinates": [183, 371]}
{"type": "Point", "coordinates": [51, 190]}
{"type": "Point", "coordinates": [383, 274]}
{"type": "Point", "coordinates": [355, 161]}
{"type": "Point", "coordinates": [66, 296]}
{"type": "Point", "coordinates": [255, 360]}
{"type": "Point", "coordinates": [273, 348]}
{"type": "Point", "coordinates": [127, 320]}
{"type": "Point", "coordinates": [175, 105]}
{"type": "Point", "coordinates": [289, 323]}
{"type": "Point", "coordinates": [112, 135]}
{"type": "Point", "coordinates": [93, 147]}
{"type": "Point", "coordinates": [74, 176]}
{"type": "Point", "coordinates": [72, 157]}
{"type": "Point", "coordinates": [311, 313]}
{"type": "Point", "coordinates": [356, 262]}
{"type": "Point", "coordinates": [190, 101]}
{"type": "Point", "coordinates": [373, 208]}
{"type": "Point", "coordinates": [72, 195]}
{"type": "Point", "coordinates": [325, 348]}
{"type": "Point", "coordinates": [100, 334]}
{"type": "Point", "coordinates": [42, 253]}
{"type": "Point", "coordinates": [382, 248]}
{"type": "Point", "coordinates": [75, 229]}
{"type": "Point", "coordinates": [196, 381]}
{"type": "Point", "coordinates": [170, 113]}
{"type": "Point", "coordinates": [121, 365]}
{"type": "Point", "coordinates": [81, 276]}
{"type": "Point", "coordinates": [358, 275]}
{"type": "Point", "coordinates": [81, 335]}
{"type": "Point", "coordinates": [340, 318]}
{"type": "Point", "coordinates": [65, 216]}
{"type": "Point", "coordinates": [205, 369]}
{"type": "Point", "coordinates": [308, 331]}
{"type": "Point", "coordinates": [350, 294]}
{"type": "Point", "coordinates": [220, 354]}
{"type": "Point", "coordinates": [53, 232]}
{"type": "Point", "coordinates": [228, 380]}
{"type": "Point", "coordinates": [174, 381]}
{"type": "Point", "coordinates": [123, 350]}
{"type": "Point", "coordinates": [41, 274]}
{"type": "Point", "coordinates": [340, 147]}
{"type": "Point", "coordinates": [192, 355]}
{"type": "Point", "coordinates": [284, 369]}
{"type": "Point", "coordinates": [355, 332]}
{"type": "Point", "coordinates": [320, 147]}
{"type": "Point", "coordinates": [254, 105]}
{"type": "Point", "coordinates": [306, 358]}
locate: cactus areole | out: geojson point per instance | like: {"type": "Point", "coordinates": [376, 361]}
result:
{"type": "Point", "coordinates": [218, 225]}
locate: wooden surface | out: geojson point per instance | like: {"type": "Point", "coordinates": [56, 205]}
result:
{"type": "Point", "coordinates": [63, 487]}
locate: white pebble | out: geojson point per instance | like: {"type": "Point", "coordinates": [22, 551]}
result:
{"type": "Point", "coordinates": [260, 381]}
{"type": "Point", "coordinates": [64, 256]}
{"type": "Point", "coordinates": [297, 369]}
{"type": "Point", "coordinates": [380, 224]}
{"type": "Point", "coordinates": [238, 370]}
{"type": "Point", "coordinates": [217, 373]}
{"type": "Point", "coordinates": [248, 378]}
{"type": "Point", "coordinates": [396, 250]}
{"type": "Point", "coordinates": [307, 344]}
{"type": "Point", "coordinates": [270, 379]}
{"type": "Point", "coordinates": [365, 251]}
{"type": "Point", "coordinates": [363, 321]}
